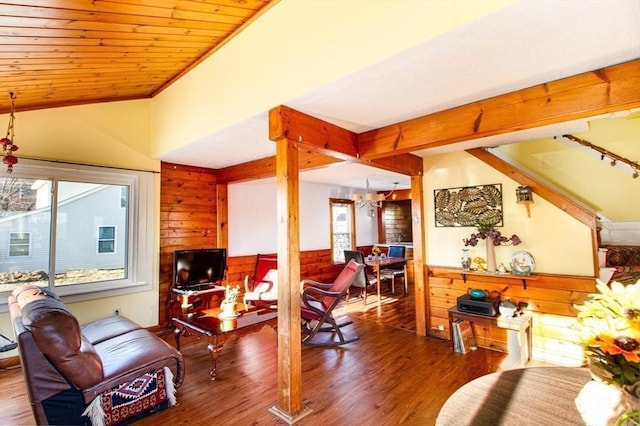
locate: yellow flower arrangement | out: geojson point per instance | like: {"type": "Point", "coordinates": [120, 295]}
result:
{"type": "Point", "coordinates": [480, 262]}
{"type": "Point", "coordinates": [609, 325]}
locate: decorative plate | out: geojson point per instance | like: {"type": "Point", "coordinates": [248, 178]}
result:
{"type": "Point", "coordinates": [522, 263]}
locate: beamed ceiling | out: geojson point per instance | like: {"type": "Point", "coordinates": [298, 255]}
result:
{"type": "Point", "coordinates": [68, 52]}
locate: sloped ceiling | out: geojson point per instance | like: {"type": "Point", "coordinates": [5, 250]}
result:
{"type": "Point", "coordinates": [582, 173]}
{"type": "Point", "coordinates": [521, 45]}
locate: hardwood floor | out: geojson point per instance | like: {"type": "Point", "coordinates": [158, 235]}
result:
{"type": "Point", "coordinates": [388, 377]}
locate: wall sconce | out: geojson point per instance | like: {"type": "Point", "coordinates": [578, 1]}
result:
{"type": "Point", "coordinates": [524, 195]}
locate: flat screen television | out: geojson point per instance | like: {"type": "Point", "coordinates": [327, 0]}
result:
{"type": "Point", "coordinates": [199, 267]}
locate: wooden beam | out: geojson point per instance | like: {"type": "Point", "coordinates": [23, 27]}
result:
{"type": "Point", "coordinates": [406, 164]}
{"type": "Point", "coordinates": [328, 139]}
{"type": "Point", "coordinates": [266, 167]}
{"type": "Point", "coordinates": [419, 257]}
{"type": "Point", "coordinates": [289, 407]}
{"type": "Point", "coordinates": [318, 135]}
{"type": "Point", "coordinates": [565, 204]}
{"type": "Point", "coordinates": [562, 202]}
{"type": "Point", "coordinates": [308, 160]}
{"type": "Point", "coordinates": [610, 89]}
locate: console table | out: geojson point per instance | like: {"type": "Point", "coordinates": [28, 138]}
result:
{"type": "Point", "coordinates": [518, 329]}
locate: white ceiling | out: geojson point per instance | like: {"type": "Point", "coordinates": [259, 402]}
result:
{"type": "Point", "coordinates": [522, 45]}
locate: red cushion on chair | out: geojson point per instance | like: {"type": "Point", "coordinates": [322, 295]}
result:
{"type": "Point", "coordinates": [308, 314]}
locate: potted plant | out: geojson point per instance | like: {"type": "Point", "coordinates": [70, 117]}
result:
{"type": "Point", "coordinates": [493, 238]}
{"type": "Point", "coordinates": [229, 303]}
{"type": "Point", "coordinates": [609, 332]}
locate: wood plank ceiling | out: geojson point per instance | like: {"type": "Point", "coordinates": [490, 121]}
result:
{"type": "Point", "coordinates": [68, 52]}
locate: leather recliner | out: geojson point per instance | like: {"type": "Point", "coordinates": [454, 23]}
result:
{"type": "Point", "coordinates": [66, 366]}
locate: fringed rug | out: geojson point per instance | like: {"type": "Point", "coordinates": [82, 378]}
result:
{"type": "Point", "coordinates": [133, 398]}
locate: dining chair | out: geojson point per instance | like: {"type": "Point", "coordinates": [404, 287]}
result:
{"type": "Point", "coordinates": [363, 279]}
{"type": "Point", "coordinates": [395, 272]}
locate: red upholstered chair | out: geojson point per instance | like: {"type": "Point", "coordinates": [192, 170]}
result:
{"type": "Point", "coordinates": [262, 287]}
{"type": "Point", "coordinates": [318, 302]}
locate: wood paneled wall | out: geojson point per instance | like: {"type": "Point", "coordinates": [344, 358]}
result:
{"type": "Point", "coordinates": [188, 218]}
{"type": "Point", "coordinates": [550, 299]}
{"type": "Point", "coordinates": [396, 221]}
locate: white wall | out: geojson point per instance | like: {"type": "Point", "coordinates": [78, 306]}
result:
{"type": "Point", "coordinates": [253, 223]}
{"type": "Point", "coordinates": [559, 243]}
{"type": "Point", "coordinates": [293, 52]}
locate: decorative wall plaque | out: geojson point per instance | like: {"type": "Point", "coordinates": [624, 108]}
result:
{"type": "Point", "coordinates": [473, 206]}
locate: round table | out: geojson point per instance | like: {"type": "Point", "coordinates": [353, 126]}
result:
{"type": "Point", "coordinates": [527, 396]}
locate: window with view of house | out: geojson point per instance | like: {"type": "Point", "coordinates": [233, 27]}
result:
{"type": "Point", "coordinates": [96, 218]}
{"type": "Point", "coordinates": [342, 228]}
{"type": "Point", "coordinates": [106, 239]}
{"type": "Point", "coordinates": [19, 244]}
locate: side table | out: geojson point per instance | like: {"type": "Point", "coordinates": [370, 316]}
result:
{"type": "Point", "coordinates": [518, 329]}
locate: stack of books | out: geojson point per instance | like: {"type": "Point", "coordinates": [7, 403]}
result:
{"type": "Point", "coordinates": [463, 338]}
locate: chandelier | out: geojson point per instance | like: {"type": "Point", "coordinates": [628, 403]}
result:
{"type": "Point", "coordinates": [8, 147]}
{"type": "Point", "coordinates": [371, 198]}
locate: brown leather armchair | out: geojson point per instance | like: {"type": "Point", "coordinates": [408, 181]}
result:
{"type": "Point", "coordinates": [67, 366]}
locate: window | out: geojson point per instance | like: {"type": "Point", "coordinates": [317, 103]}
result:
{"type": "Point", "coordinates": [342, 228]}
{"type": "Point", "coordinates": [97, 218]}
{"type": "Point", "coordinates": [106, 239]}
{"type": "Point", "coordinates": [19, 244]}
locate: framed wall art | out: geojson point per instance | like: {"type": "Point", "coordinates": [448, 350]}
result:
{"type": "Point", "coordinates": [473, 206]}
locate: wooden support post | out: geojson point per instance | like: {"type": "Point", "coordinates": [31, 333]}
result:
{"type": "Point", "coordinates": [419, 256]}
{"type": "Point", "coordinates": [289, 408]}
{"type": "Point", "coordinates": [222, 216]}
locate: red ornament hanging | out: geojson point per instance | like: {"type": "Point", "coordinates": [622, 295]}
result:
{"type": "Point", "coordinates": [8, 147]}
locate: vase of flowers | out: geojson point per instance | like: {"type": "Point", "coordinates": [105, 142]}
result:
{"type": "Point", "coordinates": [609, 331]}
{"type": "Point", "coordinates": [493, 238]}
{"type": "Point", "coordinates": [229, 303]}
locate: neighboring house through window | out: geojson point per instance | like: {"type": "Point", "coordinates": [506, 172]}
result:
{"type": "Point", "coordinates": [106, 239]}
{"type": "Point", "coordinates": [66, 224]}
{"type": "Point", "coordinates": [19, 244]}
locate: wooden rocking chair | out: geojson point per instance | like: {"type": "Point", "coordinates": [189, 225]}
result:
{"type": "Point", "coordinates": [318, 302]}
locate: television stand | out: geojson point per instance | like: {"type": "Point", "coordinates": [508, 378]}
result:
{"type": "Point", "coordinates": [195, 299]}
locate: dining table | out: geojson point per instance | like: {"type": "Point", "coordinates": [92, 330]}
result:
{"type": "Point", "coordinates": [378, 263]}
{"type": "Point", "coordinates": [536, 396]}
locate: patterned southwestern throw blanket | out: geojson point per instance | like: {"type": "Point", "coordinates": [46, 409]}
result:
{"type": "Point", "coordinates": [133, 398]}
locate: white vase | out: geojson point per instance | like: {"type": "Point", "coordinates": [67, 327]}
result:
{"type": "Point", "coordinates": [491, 256]}
{"type": "Point", "coordinates": [228, 309]}
{"type": "Point", "coordinates": [465, 260]}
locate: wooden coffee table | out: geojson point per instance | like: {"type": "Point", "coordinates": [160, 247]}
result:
{"type": "Point", "coordinates": [217, 329]}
